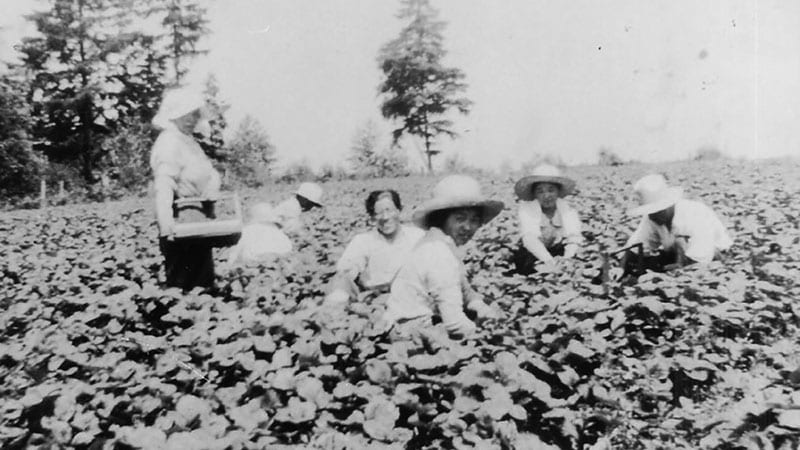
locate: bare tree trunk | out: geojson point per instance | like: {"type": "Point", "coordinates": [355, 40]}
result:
{"type": "Point", "coordinates": [428, 146]}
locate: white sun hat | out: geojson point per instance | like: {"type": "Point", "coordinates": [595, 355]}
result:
{"type": "Point", "coordinates": [544, 173]}
{"type": "Point", "coordinates": [654, 194]}
{"type": "Point", "coordinates": [311, 192]}
{"type": "Point", "coordinates": [263, 213]}
{"type": "Point", "coordinates": [177, 103]}
{"type": "Point", "coordinates": [457, 191]}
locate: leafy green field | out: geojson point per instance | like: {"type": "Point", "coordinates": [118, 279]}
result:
{"type": "Point", "coordinates": [94, 355]}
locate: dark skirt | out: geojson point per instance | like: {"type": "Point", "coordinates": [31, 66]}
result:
{"type": "Point", "coordinates": [189, 263]}
{"type": "Point", "coordinates": [525, 262]}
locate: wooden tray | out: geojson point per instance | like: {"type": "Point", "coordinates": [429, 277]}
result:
{"type": "Point", "coordinates": [212, 228]}
{"type": "Point", "coordinates": [217, 231]}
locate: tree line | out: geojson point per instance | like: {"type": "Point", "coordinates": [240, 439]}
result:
{"type": "Point", "coordinates": [78, 103]}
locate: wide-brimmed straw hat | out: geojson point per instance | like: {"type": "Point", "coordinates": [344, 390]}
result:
{"type": "Point", "coordinates": [544, 173]}
{"type": "Point", "coordinates": [263, 213]}
{"type": "Point", "coordinates": [177, 103]}
{"type": "Point", "coordinates": [457, 191]}
{"type": "Point", "coordinates": [311, 192]}
{"type": "Point", "coordinates": [654, 194]}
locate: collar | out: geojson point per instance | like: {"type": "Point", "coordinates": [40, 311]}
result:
{"type": "Point", "coordinates": [557, 220]}
{"type": "Point", "coordinates": [436, 234]}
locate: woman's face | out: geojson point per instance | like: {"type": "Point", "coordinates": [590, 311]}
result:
{"type": "Point", "coordinates": [387, 216]}
{"type": "Point", "coordinates": [546, 194]}
{"type": "Point", "coordinates": [193, 122]}
{"type": "Point", "coordinates": [663, 217]}
{"type": "Point", "coordinates": [461, 224]}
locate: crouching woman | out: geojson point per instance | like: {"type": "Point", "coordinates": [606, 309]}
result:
{"type": "Point", "coordinates": [433, 282]}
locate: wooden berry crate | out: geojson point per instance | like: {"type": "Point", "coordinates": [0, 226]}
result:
{"type": "Point", "coordinates": [216, 221]}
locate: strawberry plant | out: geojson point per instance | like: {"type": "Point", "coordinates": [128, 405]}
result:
{"type": "Point", "coordinates": [93, 354]}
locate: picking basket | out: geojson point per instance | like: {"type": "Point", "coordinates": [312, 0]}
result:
{"type": "Point", "coordinates": [218, 221]}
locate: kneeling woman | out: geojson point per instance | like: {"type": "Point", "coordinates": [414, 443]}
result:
{"type": "Point", "coordinates": [372, 259]}
{"type": "Point", "coordinates": [548, 224]}
{"type": "Point", "coordinates": [433, 281]}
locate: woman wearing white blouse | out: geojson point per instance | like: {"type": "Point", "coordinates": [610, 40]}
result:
{"type": "Point", "coordinates": [182, 169]}
{"type": "Point", "coordinates": [432, 283]}
{"type": "Point", "coordinates": [373, 258]}
{"type": "Point", "coordinates": [549, 226]}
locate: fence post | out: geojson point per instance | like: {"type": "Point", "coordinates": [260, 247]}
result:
{"type": "Point", "coordinates": [42, 194]}
{"type": "Point", "coordinates": [61, 189]}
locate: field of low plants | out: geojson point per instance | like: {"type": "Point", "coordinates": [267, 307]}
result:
{"type": "Point", "coordinates": [94, 355]}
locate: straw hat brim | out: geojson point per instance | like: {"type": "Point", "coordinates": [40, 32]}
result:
{"type": "Point", "coordinates": [673, 195]}
{"type": "Point", "coordinates": [489, 209]}
{"type": "Point", "coordinates": [316, 204]}
{"type": "Point", "coordinates": [524, 187]}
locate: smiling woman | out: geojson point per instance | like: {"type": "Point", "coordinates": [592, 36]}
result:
{"type": "Point", "coordinates": [371, 260]}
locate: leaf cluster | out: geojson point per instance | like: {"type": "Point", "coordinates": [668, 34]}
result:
{"type": "Point", "coordinates": [94, 355]}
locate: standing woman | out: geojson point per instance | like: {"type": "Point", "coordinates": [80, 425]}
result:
{"type": "Point", "coordinates": [182, 169]}
{"type": "Point", "coordinates": [433, 280]}
{"type": "Point", "coordinates": [549, 226]}
{"type": "Point", "coordinates": [372, 259]}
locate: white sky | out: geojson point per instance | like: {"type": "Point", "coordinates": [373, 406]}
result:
{"type": "Point", "coordinates": [651, 80]}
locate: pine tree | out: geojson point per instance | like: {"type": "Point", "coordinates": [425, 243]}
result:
{"type": "Point", "coordinates": [251, 154]}
{"type": "Point", "coordinates": [368, 160]}
{"type": "Point", "coordinates": [86, 77]}
{"type": "Point", "coordinates": [214, 143]}
{"type": "Point", "coordinates": [20, 165]}
{"type": "Point", "coordinates": [185, 24]}
{"type": "Point", "coordinates": [417, 88]}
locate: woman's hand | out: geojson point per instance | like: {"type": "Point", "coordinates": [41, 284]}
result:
{"type": "Point", "coordinates": [461, 330]}
{"type": "Point", "coordinates": [336, 297]}
{"type": "Point", "coordinates": [570, 251]}
{"type": "Point", "coordinates": [482, 310]}
{"type": "Point", "coordinates": [167, 229]}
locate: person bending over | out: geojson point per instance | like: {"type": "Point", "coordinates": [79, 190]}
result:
{"type": "Point", "coordinates": [674, 231]}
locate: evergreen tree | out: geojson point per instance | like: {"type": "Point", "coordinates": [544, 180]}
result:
{"type": "Point", "coordinates": [417, 88]}
{"type": "Point", "coordinates": [185, 24]}
{"type": "Point", "coordinates": [20, 165]}
{"type": "Point", "coordinates": [251, 154]}
{"type": "Point", "coordinates": [214, 143]}
{"type": "Point", "coordinates": [367, 160]}
{"type": "Point", "coordinates": [86, 77]}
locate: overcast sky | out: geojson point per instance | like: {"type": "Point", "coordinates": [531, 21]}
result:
{"type": "Point", "coordinates": [651, 80]}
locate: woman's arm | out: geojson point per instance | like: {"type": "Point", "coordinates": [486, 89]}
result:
{"type": "Point", "coordinates": [530, 228]}
{"type": "Point", "coordinates": [444, 275]}
{"type": "Point", "coordinates": [165, 194]}
{"type": "Point", "coordinates": [165, 163]}
{"type": "Point", "coordinates": [572, 229]}
{"type": "Point", "coordinates": [350, 265]}
{"type": "Point", "coordinates": [537, 248]}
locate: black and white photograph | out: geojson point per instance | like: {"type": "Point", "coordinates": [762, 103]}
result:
{"type": "Point", "coordinates": [399, 224]}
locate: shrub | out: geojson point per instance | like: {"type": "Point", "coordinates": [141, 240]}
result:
{"type": "Point", "coordinates": [606, 157]}
{"type": "Point", "coordinates": [368, 161]}
{"type": "Point", "coordinates": [708, 154]}
{"type": "Point", "coordinates": [296, 172]}
{"type": "Point", "coordinates": [127, 164]}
